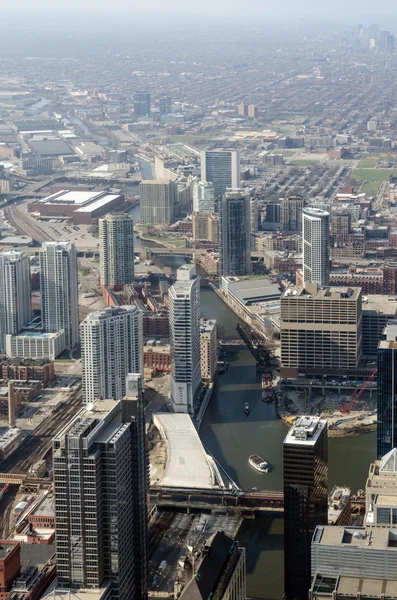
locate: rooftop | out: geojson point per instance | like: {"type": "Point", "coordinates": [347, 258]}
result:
{"type": "Point", "coordinates": [6, 546]}
{"type": "Point", "coordinates": [188, 464]}
{"type": "Point", "coordinates": [312, 290]}
{"type": "Point", "coordinates": [306, 431]}
{"type": "Point", "coordinates": [249, 291]}
{"type": "Point", "coordinates": [45, 508]}
{"type": "Point", "coordinates": [378, 538]}
{"type": "Point", "coordinates": [378, 303]}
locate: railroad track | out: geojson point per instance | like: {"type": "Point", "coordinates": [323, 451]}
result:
{"type": "Point", "coordinates": [39, 442]}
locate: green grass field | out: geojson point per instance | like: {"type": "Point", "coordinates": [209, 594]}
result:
{"type": "Point", "coordinates": [367, 164]}
{"type": "Point", "coordinates": [372, 174]}
{"type": "Point", "coordinates": [371, 187]}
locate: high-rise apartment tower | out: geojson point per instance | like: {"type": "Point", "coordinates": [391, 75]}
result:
{"type": "Point", "coordinates": [59, 290]}
{"type": "Point", "coordinates": [315, 246]}
{"type": "Point", "coordinates": [203, 197]}
{"type": "Point", "coordinates": [111, 347]}
{"type": "Point", "coordinates": [116, 243]}
{"type": "Point", "coordinates": [15, 307]}
{"type": "Point", "coordinates": [141, 104]}
{"type": "Point", "coordinates": [184, 304]}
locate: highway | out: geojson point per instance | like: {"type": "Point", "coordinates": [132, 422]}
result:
{"type": "Point", "coordinates": [26, 225]}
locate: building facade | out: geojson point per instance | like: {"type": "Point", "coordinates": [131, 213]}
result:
{"type": "Point", "coordinates": [111, 347]}
{"type": "Point", "coordinates": [221, 168]}
{"type": "Point", "coordinates": [157, 201]}
{"type": "Point", "coordinates": [184, 306]}
{"type": "Point", "coordinates": [320, 330]}
{"type": "Point", "coordinates": [15, 307]}
{"type": "Point", "coordinates": [291, 208]}
{"type": "Point", "coordinates": [208, 349]}
{"type": "Point", "coordinates": [235, 233]}
{"type": "Point", "coordinates": [141, 104]}
{"type": "Point", "coordinates": [59, 290]}
{"type": "Point", "coordinates": [35, 345]}
{"type": "Point", "coordinates": [203, 197]}
{"type": "Point", "coordinates": [94, 483]}
{"type": "Point", "coordinates": [305, 499]}
{"type": "Point", "coordinates": [116, 244]}
{"type": "Point", "coordinates": [387, 392]}
{"type": "Point", "coordinates": [315, 246]}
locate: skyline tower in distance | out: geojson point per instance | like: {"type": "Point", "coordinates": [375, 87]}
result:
{"type": "Point", "coordinates": [221, 168]}
{"type": "Point", "coordinates": [305, 452]}
{"type": "Point", "coordinates": [235, 233]}
{"type": "Point", "coordinates": [116, 244]}
{"type": "Point", "coordinates": [15, 306]}
{"type": "Point", "coordinates": [111, 347]}
{"type": "Point", "coordinates": [59, 290]}
{"type": "Point", "coordinates": [315, 239]}
{"type": "Point", "coordinates": [184, 305]}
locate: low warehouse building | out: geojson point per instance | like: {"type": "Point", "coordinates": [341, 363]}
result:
{"type": "Point", "coordinates": [80, 206]}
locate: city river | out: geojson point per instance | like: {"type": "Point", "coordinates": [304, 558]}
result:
{"type": "Point", "coordinates": [231, 437]}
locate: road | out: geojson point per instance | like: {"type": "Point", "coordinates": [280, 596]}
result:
{"type": "Point", "coordinates": [25, 224]}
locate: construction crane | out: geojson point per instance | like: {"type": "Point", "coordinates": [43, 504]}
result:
{"type": "Point", "coordinates": [356, 397]}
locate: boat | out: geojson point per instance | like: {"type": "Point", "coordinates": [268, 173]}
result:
{"type": "Point", "coordinates": [259, 463]}
{"type": "Point", "coordinates": [247, 408]}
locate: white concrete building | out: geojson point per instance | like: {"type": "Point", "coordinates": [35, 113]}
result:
{"type": "Point", "coordinates": [15, 307]}
{"type": "Point", "coordinates": [315, 246]}
{"type": "Point", "coordinates": [35, 345]}
{"type": "Point", "coordinates": [184, 304]}
{"type": "Point", "coordinates": [222, 168]}
{"type": "Point", "coordinates": [208, 349]}
{"type": "Point", "coordinates": [59, 290]}
{"type": "Point", "coordinates": [203, 197]}
{"type": "Point", "coordinates": [111, 347]}
{"type": "Point", "coordinates": [116, 245]}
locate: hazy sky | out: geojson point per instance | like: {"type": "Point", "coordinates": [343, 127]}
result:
{"type": "Point", "coordinates": [359, 10]}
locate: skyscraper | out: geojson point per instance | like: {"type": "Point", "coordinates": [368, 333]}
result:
{"type": "Point", "coordinates": [305, 499]}
{"type": "Point", "coordinates": [315, 246]}
{"type": "Point", "coordinates": [165, 105]}
{"type": "Point", "coordinates": [134, 413]}
{"type": "Point", "coordinates": [141, 104]}
{"type": "Point", "coordinates": [96, 465]}
{"type": "Point", "coordinates": [184, 303]}
{"type": "Point", "coordinates": [203, 197]}
{"type": "Point", "coordinates": [157, 201]}
{"type": "Point", "coordinates": [222, 168]}
{"type": "Point", "coordinates": [235, 233]}
{"type": "Point", "coordinates": [116, 239]}
{"type": "Point", "coordinates": [111, 347]}
{"type": "Point", "coordinates": [15, 308]}
{"type": "Point", "coordinates": [291, 208]}
{"type": "Point", "coordinates": [387, 391]}
{"type": "Point", "coordinates": [59, 290]}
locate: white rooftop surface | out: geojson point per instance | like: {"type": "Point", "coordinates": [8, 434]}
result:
{"type": "Point", "coordinates": [305, 431]}
{"type": "Point", "coordinates": [98, 203]}
{"type": "Point", "coordinates": [74, 197]}
{"type": "Point", "coordinates": [188, 465]}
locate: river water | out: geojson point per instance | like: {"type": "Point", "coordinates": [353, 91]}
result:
{"type": "Point", "coordinates": [231, 437]}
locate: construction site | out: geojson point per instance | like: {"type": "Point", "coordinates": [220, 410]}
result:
{"type": "Point", "coordinates": [349, 406]}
